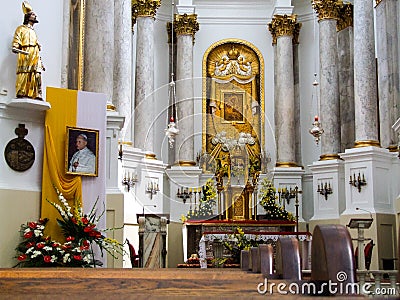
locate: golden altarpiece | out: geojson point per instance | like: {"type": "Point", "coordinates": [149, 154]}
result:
{"type": "Point", "coordinates": [233, 126]}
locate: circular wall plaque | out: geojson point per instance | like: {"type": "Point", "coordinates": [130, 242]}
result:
{"type": "Point", "coordinates": [19, 153]}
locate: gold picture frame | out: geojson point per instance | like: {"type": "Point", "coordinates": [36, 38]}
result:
{"type": "Point", "coordinates": [233, 106]}
{"type": "Point", "coordinates": [82, 151]}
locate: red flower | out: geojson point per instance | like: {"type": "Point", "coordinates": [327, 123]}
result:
{"type": "Point", "coordinates": [40, 245]}
{"type": "Point", "coordinates": [22, 257]}
{"type": "Point", "coordinates": [77, 257]}
{"type": "Point", "coordinates": [70, 238]}
{"type": "Point", "coordinates": [85, 245]}
{"type": "Point", "coordinates": [47, 238]}
{"type": "Point", "coordinates": [30, 244]}
{"type": "Point", "coordinates": [55, 245]}
{"type": "Point", "coordinates": [73, 220]}
{"type": "Point", "coordinates": [87, 229]}
{"type": "Point", "coordinates": [32, 225]}
{"type": "Point", "coordinates": [85, 220]}
{"type": "Point", "coordinates": [28, 234]}
{"type": "Point", "coordinates": [65, 247]}
{"type": "Point", "coordinates": [47, 258]}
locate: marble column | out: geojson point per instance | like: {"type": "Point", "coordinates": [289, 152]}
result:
{"type": "Point", "coordinates": [122, 67]}
{"type": "Point", "coordinates": [144, 79]}
{"type": "Point", "coordinates": [99, 47]}
{"type": "Point", "coordinates": [282, 28]}
{"type": "Point", "coordinates": [346, 76]}
{"type": "Point", "coordinates": [388, 70]}
{"type": "Point", "coordinates": [327, 11]}
{"type": "Point", "coordinates": [365, 88]}
{"type": "Point", "coordinates": [185, 27]}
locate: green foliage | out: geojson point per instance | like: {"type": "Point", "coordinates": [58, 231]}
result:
{"type": "Point", "coordinates": [273, 211]}
{"type": "Point", "coordinates": [206, 203]}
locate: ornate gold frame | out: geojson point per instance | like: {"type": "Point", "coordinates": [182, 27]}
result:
{"type": "Point", "coordinates": [204, 87]}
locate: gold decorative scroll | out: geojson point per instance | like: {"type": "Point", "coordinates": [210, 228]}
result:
{"type": "Point", "coordinates": [327, 9]}
{"type": "Point", "coordinates": [345, 18]}
{"type": "Point", "coordinates": [144, 8]}
{"type": "Point", "coordinates": [282, 25]}
{"type": "Point", "coordinates": [186, 24]}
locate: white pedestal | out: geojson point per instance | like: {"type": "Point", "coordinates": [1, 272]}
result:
{"type": "Point", "coordinates": [181, 176]}
{"type": "Point", "coordinates": [331, 173]}
{"type": "Point", "coordinates": [374, 164]}
{"type": "Point", "coordinates": [289, 178]}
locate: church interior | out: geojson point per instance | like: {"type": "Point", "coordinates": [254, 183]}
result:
{"type": "Point", "coordinates": [197, 131]}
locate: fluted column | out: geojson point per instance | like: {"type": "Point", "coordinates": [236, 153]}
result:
{"type": "Point", "coordinates": [365, 90]}
{"type": "Point", "coordinates": [185, 27]}
{"type": "Point", "coordinates": [122, 66]}
{"type": "Point", "coordinates": [145, 11]}
{"type": "Point", "coordinates": [99, 47]}
{"type": "Point", "coordinates": [346, 75]}
{"type": "Point", "coordinates": [282, 28]}
{"type": "Point", "coordinates": [327, 11]}
{"type": "Point", "coordinates": [388, 70]}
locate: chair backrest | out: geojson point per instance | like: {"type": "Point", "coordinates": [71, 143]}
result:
{"type": "Point", "coordinates": [133, 256]}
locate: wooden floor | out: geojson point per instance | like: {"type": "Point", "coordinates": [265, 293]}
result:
{"type": "Point", "coordinates": [98, 284]}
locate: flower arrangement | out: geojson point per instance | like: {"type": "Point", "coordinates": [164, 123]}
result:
{"type": "Point", "coordinates": [206, 203]}
{"type": "Point", "coordinates": [238, 241]}
{"type": "Point", "coordinates": [268, 200]}
{"type": "Point", "coordinates": [80, 232]}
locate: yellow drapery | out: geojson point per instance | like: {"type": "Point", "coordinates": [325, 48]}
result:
{"type": "Point", "coordinates": [63, 113]}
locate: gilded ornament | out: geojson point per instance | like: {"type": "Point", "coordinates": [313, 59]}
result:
{"type": "Point", "coordinates": [283, 25]}
{"type": "Point", "coordinates": [144, 8]}
{"type": "Point", "coordinates": [327, 9]}
{"type": "Point", "coordinates": [19, 153]}
{"type": "Point", "coordinates": [345, 18]}
{"type": "Point", "coordinates": [296, 33]}
{"type": "Point", "coordinates": [186, 24]}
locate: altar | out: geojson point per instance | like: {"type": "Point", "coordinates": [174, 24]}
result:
{"type": "Point", "coordinates": [199, 233]}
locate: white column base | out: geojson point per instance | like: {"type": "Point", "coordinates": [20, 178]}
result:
{"type": "Point", "coordinates": [289, 178]}
{"type": "Point", "coordinates": [330, 172]}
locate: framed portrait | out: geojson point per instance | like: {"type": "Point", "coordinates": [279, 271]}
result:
{"type": "Point", "coordinates": [233, 106]}
{"type": "Point", "coordinates": [82, 151]}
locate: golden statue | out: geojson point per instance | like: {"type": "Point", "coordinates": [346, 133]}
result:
{"type": "Point", "coordinates": [29, 64]}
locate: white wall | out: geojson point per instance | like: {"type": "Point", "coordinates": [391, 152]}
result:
{"type": "Point", "coordinates": [20, 191]}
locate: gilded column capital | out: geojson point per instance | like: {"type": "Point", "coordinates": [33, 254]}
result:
{"type": "Point", "coordinates": [283, 25]}
{"type": "Point", "coordinates": [327, 9]}
{"type": "Point", "coordinates": [186, 24]}
{"type": "Point", "coordinates": [378, 1]}
{"type": "Point", "coordinates": [296, 33]}
{"type": "Point", "coordinates": [144, 8]}
{"type": "Point", "coordinates": [345, 17]}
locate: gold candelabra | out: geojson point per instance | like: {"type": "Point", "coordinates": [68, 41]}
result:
{"type": "Point", "coordinates": [358, 181]}
{"type": "Point", "coordinates": [325, 189]}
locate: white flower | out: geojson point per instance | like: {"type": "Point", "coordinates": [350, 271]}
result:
{"type": "Point", "coordinates": [35, 254]}
{"type": "Point", "coordinates": [66, 258]}
{"type": "Point", "coordinates": [27, 230]}
{"type": "Point", "coordinates": [53, 258]}
{"type": "Point", "coordinates": [29, 250]}
{"type": "Point", "coordinates": [47, 248]}
{"type": "Point", "coordinates": [37, 232]}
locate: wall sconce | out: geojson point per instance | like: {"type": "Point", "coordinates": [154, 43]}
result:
{"type": "Point", "coordinates": [129, 180]}
{"type": "Point", "coordinates": [325, 189]}
{"type": "Point", "coordinates": [152, 188]}
{"type": "Point", "coordinates": [184, 194]}
{"type": "Point", "coordinates": [358, 182]}
{"type": "Point", "coordinates": [286, 195]}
